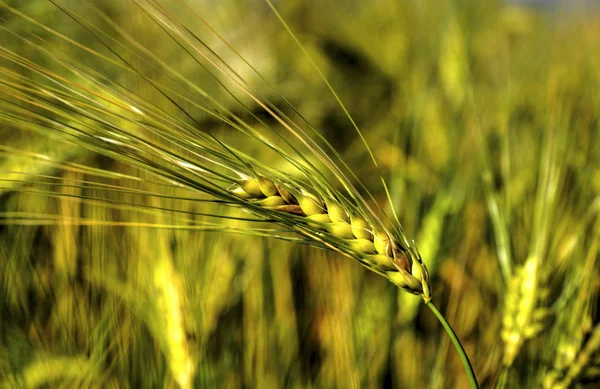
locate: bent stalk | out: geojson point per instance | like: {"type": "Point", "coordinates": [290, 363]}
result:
{"type": "Point", "coordinates": [457, 344]}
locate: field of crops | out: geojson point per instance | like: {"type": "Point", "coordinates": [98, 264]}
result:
{"type": "Point", "coordinates": [130, 257]}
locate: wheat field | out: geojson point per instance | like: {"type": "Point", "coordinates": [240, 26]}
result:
{"type": "Point", "coordinates": [156, 157]}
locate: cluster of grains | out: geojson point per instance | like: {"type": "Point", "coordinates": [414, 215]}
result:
{"type": "Point", "coordinates": [366, 243]}
{"type": "Point", "coordinates": [578, 360]}
{"type": "Point", "coordinates": [523, 317]}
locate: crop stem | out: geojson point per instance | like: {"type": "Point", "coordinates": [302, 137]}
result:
{"type": "Point", "coordinates": [457, 344]}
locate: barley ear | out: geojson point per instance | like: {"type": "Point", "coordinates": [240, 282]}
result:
{"type": "Point", "coordinates": [363, 242]}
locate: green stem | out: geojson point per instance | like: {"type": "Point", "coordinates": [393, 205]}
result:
{"type": "Point", "coordinates": [457, 344]}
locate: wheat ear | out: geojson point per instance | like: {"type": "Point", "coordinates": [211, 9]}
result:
{"type": "Point", "coordinates": [523, 316]}
{"type": "Point", "coordinates": [374, 249]}
{"type": "Point", "coordinates": [580, 360]}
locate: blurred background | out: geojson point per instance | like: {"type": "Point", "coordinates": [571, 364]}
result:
{"type": "Point", "coordinates": [484, 119]}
